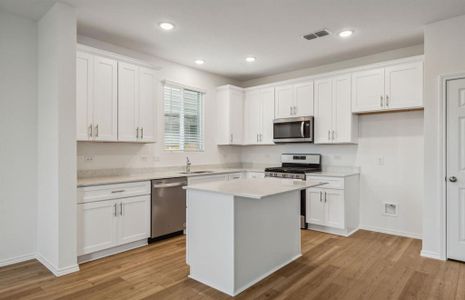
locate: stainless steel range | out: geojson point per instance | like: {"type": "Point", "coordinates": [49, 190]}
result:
{"type": "Point", "coordinates": [296, 166]}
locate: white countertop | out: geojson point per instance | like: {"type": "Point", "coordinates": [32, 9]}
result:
{"type": "Point", "coordinates": [254, 188]}
{"type": "Point", "coordinates": [334, 173]}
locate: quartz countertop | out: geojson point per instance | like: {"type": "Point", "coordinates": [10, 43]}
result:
{"type": "Point", "coordinates": [256, 188]}
{"type": "Point", "coordinates": [91, 181]}
{"type": "Point", "coordinates": [334, 173]}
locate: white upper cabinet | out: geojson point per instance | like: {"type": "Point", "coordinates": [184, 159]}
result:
{"type": "Point", "coordinates": [334, 121]}
{"type": "Point", "coordinates": [115, 101]}
{"type": "Point", "coordinates": [294, 100]}
{"type": "Point", "coordinates": [258, 116]}
{"type": "Point", "coordinates": [230, 102]}
{"type": "Point", "coordinates": [136, 103]}
{"type": "Point", "coordinates": [395, 87]}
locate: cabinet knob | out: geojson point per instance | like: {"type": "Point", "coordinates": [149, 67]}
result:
{"type": "Point", "coordinates": [381, 101]}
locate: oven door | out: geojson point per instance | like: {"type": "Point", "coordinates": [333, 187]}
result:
{"type": "Point", "coordinates": [293, 130]}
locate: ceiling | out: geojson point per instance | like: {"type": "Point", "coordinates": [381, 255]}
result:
{"type": "Point", "coordinates": [224, 32]}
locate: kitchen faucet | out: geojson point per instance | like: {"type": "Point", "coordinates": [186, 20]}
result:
{"type": "Point", "coordinates": [188, 165]}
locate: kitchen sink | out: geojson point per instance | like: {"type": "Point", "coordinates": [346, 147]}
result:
{"type": "Point", "coordinates": [196, 172]}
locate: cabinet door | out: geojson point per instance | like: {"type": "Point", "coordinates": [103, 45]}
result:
{"type": "Point", "coordinates": [404, 86]}
{"type": "Point", "coordinates": [134, 219]}
{"type": "Point", "coordinates": [223, 134]}
{"type": "Point", "coordinates": [235, 117]}
{"type": "Point", "coordinates": [252, 117]}
{"type": "Point", "coordinates": [334, 201]}
{"type": "Point", "coordinates": [342, 110]}
{"type": "Point", "coordinates": [323, 111]}
{"type": "Point", "coordinates": [128, 106]}
{"type": "Point", "coordinates": [315, 207]}
{"type": "Point", "coordinates": [267, 116]}
{"type": "Point", "coordinates": [97, 229]}
{"type": "Point", "coordinates": [105, 99]}
{"type": "Point", "coordinates": [304, 99]}
{"type": "Point", "coordinates": [284, 101]}
{"type": "Point", "coordinates": [368, 90]}
{"type": "Point", "coordinates": [84, 81]}
{"type": "Point", "coordinates": [148, 91]}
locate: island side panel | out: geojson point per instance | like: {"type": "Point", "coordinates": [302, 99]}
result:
{"type": "Point", "coordinates": [210, 234]}
{"type": "Point", "coordinates": [267, 236]}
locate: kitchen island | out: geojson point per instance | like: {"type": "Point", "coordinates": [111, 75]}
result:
{"type": "Point", "coordinates": [239, 232]}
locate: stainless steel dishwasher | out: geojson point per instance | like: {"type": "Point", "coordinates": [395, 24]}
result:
{"type": "Point", "coordinates": [168, 207]}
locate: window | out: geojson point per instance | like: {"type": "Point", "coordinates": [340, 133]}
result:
{"type": "Point", "coordinates": [183, 119]}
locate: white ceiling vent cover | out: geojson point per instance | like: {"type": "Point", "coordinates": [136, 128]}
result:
{"type": "Point", "coordinates": [317, 34]}
{"type": "Point", "coordinates": [390, 209]}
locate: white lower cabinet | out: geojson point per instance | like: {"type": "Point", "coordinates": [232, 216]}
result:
{"type": "Point", "coordinates": [334, 207]}
{"type": "Point", "coordinates": [112, 222]}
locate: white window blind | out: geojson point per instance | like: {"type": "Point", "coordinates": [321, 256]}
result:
{"type": "Point", "coordinates": [183, 119]}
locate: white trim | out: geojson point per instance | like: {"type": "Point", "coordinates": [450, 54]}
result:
{"type": "Point", "coordinates": [431, 254]}
{"type": "Point", "coordinates": [412, 235]}
{"type": "Point", "coordinates": [17, 259]}
{"type": "Point", "coordinates": [112, 251]}
{"type": "Point", "coordinates": [183, 86]}
{"type": "Point", "coordinates": [55, 270]}
{"type": "Point", "coordinates": [329, 230]}
{"type": "Point", "coordinates": [383, 64]}
{"type": "Point", "coordinates": [112, 55]}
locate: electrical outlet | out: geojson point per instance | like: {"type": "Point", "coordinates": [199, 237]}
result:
{"type": "Point", "coordinates": [88, 158]}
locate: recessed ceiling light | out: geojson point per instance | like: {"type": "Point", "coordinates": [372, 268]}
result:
{"type": "Point", "coordinates": [199, 61]}
{"type": "Point", "coordinates": [346, 33]}
{"type": "Point", "coordinates": [166, 25]}
{"type": "Point", "coordinates": [250, 59]}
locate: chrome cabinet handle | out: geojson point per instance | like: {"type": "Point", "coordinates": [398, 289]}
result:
{"type": "Point", "coordinates": [387, 100]}
{"type": "Point", "coordinates": [453, 179]}
{"type": "Point", "coordinates": [115, 209]}
{"type": "Point", "coordinates": [96, 130]}
{"type": "Point", "coordinates": [334, 135]}
{"type": "Point", "coordinates": [321, 196]}
{"type": "Point", "coordinates": [231, 138]}
{"type": "Point", "coordinates": [118, 191]}
{"type": "Point", "coordinates": [325, 198]}
{"type": "Point", "coordinates": [142, 132]}
{"type": "Point", "coordinates": [89, 132]}
{"type": "Point", "coordinates": [329, 135]}
{"type": "Point", "coordinates": [381, 101]}
{"type": "Point", "coordinates": [137, 132]}
{"type": "Point", "coordinates": [290, 110]}
{"type": "Point", "coordinates": [121, 208]}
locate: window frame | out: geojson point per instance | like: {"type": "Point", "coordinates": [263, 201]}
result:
{"type": "Point", "coordinates": [201, 115]}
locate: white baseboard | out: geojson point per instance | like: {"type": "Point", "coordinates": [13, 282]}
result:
{"type": "Point", "coordinates": [115, 250]}
{"type": "Point", "coordinates": [55, 270]}
{"type": "Point", "coordinates": [17, 259]}
{"type": "Point", "coordinates": [391, 232]}
{"type": "Point", "coordinates": [341, 232]}
{"type": "Point", "coordinates": [431, 254]}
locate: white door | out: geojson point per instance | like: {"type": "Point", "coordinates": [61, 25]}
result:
{"type": "Point", "coordinates": [342, 110]}
{"type": "Point", "coordinates": [368, 90]}
{"type": "Point", "coordinates": [252, 117]}
{"type": "Point", "coordinates": [334, 202]}
{"type": "Point", "coordinates": [134, 219]}
{"type": "Point", "coordinates": [304, 99]}
{"type": "Point", "coordinates": [105, 99]}
{"type": "Point", "coordinates": [456, 169]}
{"type": "Point", "coordinates": [148, 91]}
{"type": "Point", "coordinates": [323, 111]}
{"type": "Point", "coordinates": [284, 101]}
{"type": "Point", "coordinates": [97, 229]}
{"type": "Point", "coordinates": [315, 207]}
{"type": "Point", "coordinates": [267, 116]}
{"type": "Point", "coordinates": [128, 106]}
{"type": "Point", "coordinates": [404, 86]}
{"type": "Point", "coordinates": [84, 81]}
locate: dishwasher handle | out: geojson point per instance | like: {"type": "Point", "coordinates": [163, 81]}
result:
{"type": "Point", "coordinates": [168, 185]}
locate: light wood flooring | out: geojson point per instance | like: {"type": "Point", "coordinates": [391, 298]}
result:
{"type": "Point", "coordinates": [366, 265]}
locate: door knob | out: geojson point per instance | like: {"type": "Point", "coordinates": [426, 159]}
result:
{"type": "Point", "coordinates": [453, 179]}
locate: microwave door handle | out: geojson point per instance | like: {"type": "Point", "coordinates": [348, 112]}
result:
{"type": "Point", "coordinates": [302, 129]}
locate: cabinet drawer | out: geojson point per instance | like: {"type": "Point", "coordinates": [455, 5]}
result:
{"type": "Point", "coordinates": [113, 191]}
{"type": "Point", "coordinates": [331, 182]}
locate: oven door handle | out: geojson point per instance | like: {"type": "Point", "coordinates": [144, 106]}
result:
{"type": "Point", "coordinates": [302, 129]}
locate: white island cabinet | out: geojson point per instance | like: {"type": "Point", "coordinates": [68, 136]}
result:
{"type": "Point", "coordinates": [240, 231]}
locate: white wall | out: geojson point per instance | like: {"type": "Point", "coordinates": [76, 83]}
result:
{"type": "Point", "coordinates": [123, 155]}
{"type": "Point", "coordinates": [56, 226]}
{"type": "Point", "coordinates": [444, 54]}
{"type": "Point", "coordinates": [397, 138]}
{"type": "Point", "coordinates": [18, 146]}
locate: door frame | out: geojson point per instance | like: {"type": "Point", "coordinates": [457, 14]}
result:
{"type": "Point", "coordinates": [442, 161]}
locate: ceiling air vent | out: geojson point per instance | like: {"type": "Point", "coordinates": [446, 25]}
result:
{"type": "Point", "coordinates": [318, 34]}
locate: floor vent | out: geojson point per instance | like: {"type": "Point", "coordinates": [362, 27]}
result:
{"type": "Point", "coordinates": [390, 209]}
{"type": "Point", "coordinates": [317, 34]}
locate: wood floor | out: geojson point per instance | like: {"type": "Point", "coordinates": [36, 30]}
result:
{"type": "Point", "coordinates": [367, 265]}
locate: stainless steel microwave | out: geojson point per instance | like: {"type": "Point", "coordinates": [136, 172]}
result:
{"type": "Point", "coordinates": [293, 130]}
